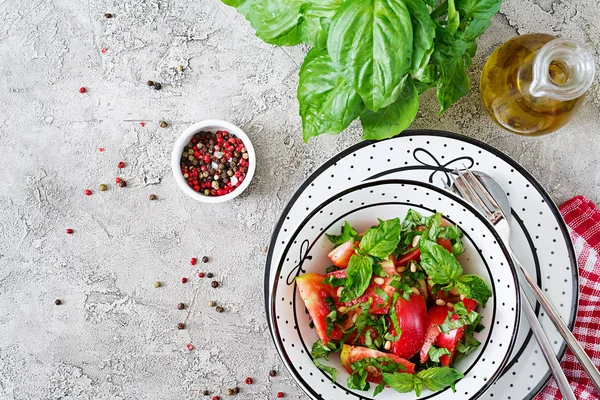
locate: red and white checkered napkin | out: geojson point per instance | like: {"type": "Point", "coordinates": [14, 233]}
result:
{"type": "Point", "coordinates": [583, 220]}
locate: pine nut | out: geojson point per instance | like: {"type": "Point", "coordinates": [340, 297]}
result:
{"type": "Point", "coordinates": [413, 267]}
{"type": "Point", "coordinates": [379, 280]}
{"type": "Point", "coordinates": [462, 297]}
{"type": "Point", "coordinates": [343, 309]}
{"type": "Point", "coordinates": [415, 241]}
{"type": "Point", "coordinates": [388, 345]}
{"type": "Point", "coordinates": [451, 305]}
{"type": "Point", "coordinates": [354, 318]}
{"type": "Point", "coordinates": [339, 292]}
{"type": "Point", "coordinates": [454, 291]}
{"type": "Point", "coordinates": [415, 291]}
{"type": "Point", "coordinates": [440, 302]}
{"type": "Point", "coordinates": [400, 269]}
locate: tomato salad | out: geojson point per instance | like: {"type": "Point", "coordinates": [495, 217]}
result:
{"type": "Point", "coordinates": [395, 305]}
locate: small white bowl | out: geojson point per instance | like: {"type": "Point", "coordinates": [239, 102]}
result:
{"type": "Point", "coordinates": [211, 125]}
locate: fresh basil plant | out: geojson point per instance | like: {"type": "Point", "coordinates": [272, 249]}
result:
{"type": "Point", "coordinates": [371, 59]}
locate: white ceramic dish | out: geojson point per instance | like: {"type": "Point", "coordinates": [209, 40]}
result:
{"type": "Point", "coordinates": [361, 205]}
{"type": "Point", "coordinates": [539, 235]}
{"type": "Point", "coordinates": [211, 125]}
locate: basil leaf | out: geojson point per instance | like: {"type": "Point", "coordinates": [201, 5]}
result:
{"type": "Point", "coordinates": [379, 271]}
{"type": "Point", "coordinates": [402, 383]}
{"type": "Point", "coordinates": [449, 324]}
{"type": "Point", "coordinates": [459, 309]}
{"type": "Point", "coordinates": [440, 265]}
{"type": "Point", "coordinates": [474, 288]}
{"type": "Point", "coordinates": [481, 9]}
{"type": "Point", "coordinates": [370, 42]}
{"type": "Point", "coordinates": [475, 29]}
{"type": "Point", "coordinates": [320, 351]}
{"type": "Point", "coordinates": [358, 277]}
{"type": "Point", "coordinates": [438, 378]}
{"type": "Point", "coordinates": [333, 281]}
{"type": "Point", "coordinates": [436, 352]}
{"type": "Point", "coordinates": [381, 240]}
{"type": "Point", "coordinates": [358, 380]}
{"type": "Point", "coordinates": [310, 28]}
{"type": "Point", "coordinates": [470, 345]}
{"type": "Point", "coordinates": [378, 389]}
{"type": "Point", "coordinates": [328, 104]}
{"type": "Point", "coordinates": [332, 371]}
{"type": "Point", "coordinates": [423, 34]}
{"type": "Point", "coordinates": [347, 233]}
{"type": "Point", "coordinates": [453, 18]}
{"type": "Point", "coordinates": [393, 119]}
{"type": "Point", "coordinates": [454, 234]}
{"type": "Point", "coordinates": [275, 21]}
{"type": "Point", "coordinates": [433, 226]}
{"type": "Point", "coordinates": [447, 48]}
{"type": "Point", "coordinates": [383, 364]}
{"type": "Point", "coordinates": [233, 3]}
{"type": "Point", "coordinates": [382, 294]}
{"type": "Point", "coordinates": [453, 84]}
{"type": "Point", "coordinates": [400, 286]}
{"type": "Point", "coordinates": [394, 319]}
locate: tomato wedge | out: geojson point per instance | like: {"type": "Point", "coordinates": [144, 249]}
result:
{"type": "Point", "coordinates": [340, 256]}
{"type": "Point", "coordinates": [435, 316]}
{"type": "Point", "coordinates": [351, 354]}
{"type": "Point", "coordinates": [412, 320]}
{"type": "Point", "coordinates": [313, 291]}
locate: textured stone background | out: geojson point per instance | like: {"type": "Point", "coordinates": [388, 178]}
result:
{"type": "Point", "coordinates": [115, 335]}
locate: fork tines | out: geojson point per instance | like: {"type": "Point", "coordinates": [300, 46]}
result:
{"type": "Point", "coordinates": [471, 189]}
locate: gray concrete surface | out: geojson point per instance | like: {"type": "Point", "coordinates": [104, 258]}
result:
{"type": "Point", "coordinates": [115, 336]}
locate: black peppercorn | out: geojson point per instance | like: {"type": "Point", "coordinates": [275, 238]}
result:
{"type": "Point", "coordinates": [204, 259]}
{"type": "Point", "coordinates": [57, 302]}
{"type": "Point", "coordinates": [150, 83]}
{"type": "Point", "coordinates": [153, 197]}
{"type": "Point", "coordinates": [209, 275]}
{"type": "Point", "coordinates": [108, 15]}
{"type": "Point", "coordinates": [180, 306]}
{"type": "Point", "coordinates": [205, 393]}
{"type": "Point", "coordinates": [236, 390]}
{"type": "Point", "coordinates": [122, 183]}
{"type": "Point", "coordinates": [219, 309]}
{"type": "Point", "coordinates": [214, 284]}
{"type": "Point", "coordinates": [157, 86]}
{"type": "Point", "coordinates": [272, 373]}
{"type": "Point", "coordinates": [181, 325]}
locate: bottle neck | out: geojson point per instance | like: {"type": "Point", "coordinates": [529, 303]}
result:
{"type": "Point", "coordinates": [563, 70]}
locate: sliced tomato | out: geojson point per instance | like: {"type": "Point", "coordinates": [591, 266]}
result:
{"type": "Point", "coordinates": [412, 320]}
{"type": "Point", "coordinates": [435, 317]}
{"type": "Point", "coordinates": [416, 253]}
{"type": "Point", "coordinates": [470, 304]}
{"type": "Point", "coordinates": [351, 354]}
{"type": "Point", "coordinates": [340, 256]}
{"type": "Point", "coordinates": [378, 305]}
{"type": "Point", "coordinates": [450, 341]}
{"type": "Point", "coordinates": [313, 291]}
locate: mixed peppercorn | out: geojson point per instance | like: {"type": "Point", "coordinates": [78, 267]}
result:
{"type": "Point", "coordinates": [214, 163]}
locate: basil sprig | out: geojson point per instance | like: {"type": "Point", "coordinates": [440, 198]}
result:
{"type": "Point", "coordinates": [434, 379]}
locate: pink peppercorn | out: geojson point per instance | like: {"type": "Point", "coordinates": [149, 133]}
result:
{"type": "Point", "coordinates": [120, 165]}
{"type": "Point", "coordinates": [117, 180]}
{"type": "Point", "coordinates": [280, 394]}
{"type": "Point", "coordinates": [183, 280]}
{"type": "Point", "coordinates": [201, 274]}
{"type": "Point", "coordinates": [88, 192]}
{"type": "Point", "coordinates": [193, 260]}
{"type": "Point", "coordinates": [248, 381]}
{"type": "Point", "coordinates": [190, 347]}
{"type": "Point", "coordinates": [69, 231]}
{"type": "Point", "coordinates": [82, 90]}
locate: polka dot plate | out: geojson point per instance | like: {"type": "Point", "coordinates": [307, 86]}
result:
{"type": "Point", "coordinates": [361, 205]}
{"type": "Point", "coordinates": [539, 235]}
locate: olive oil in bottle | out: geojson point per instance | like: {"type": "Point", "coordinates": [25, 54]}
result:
{"type": "Point", "coordinates": [533, 84]}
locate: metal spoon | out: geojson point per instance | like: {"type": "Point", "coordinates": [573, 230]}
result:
{"type": "Point", "coordinates": [498, 193]}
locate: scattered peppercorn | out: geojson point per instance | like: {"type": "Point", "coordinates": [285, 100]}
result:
{"type": "Point", "coordinates": [209, 275]}
{"type": "Point", "coordinates": [122, 183]}
{"type": "Point", "coordinates": [229, 392]}
{"type": "Point", "coordinates": [216, 398]}
{"type": "Point", "coordinates": [150, 83]}
{"type": "Point", "coordinates": [214, 284]}
{"type": "Point", "coordinates": [280, 394]}
{"type": "Point", "coordinates": [219, 309]}
{"type": "Point", "coordinates": [163, 124]}
{"type": "Point", "coordinates": [183, 280]}
{"type": "Point", "coordinates": [103, 50]}
{"type": "Point", "coordinates": [205, 392]}
{"type": "Point", "coordinates": [157, 86]}
{"type": "Point", "coordinates": [108, 15]}
{"type": "Point", "coordinates": [181, 325]}
{"type": "Point", "coordinates": [180, 306]}
{"type": "Point", "coordinates": [157, 284]}
{"type": "Point", "coordinates": [82, 90]}
{"type": "Point", "coordinates": [272, 373]}
{"type": "Point", "coordinates": [57, 302]}
{"type": "Point", "coordinates": [120, 165]}
{"type": "Point", "coordinates": [236, 390]}
{"type": "Point", "coordinates": [117, 180]}
{"type": "Point", "coordinates": [88, 192]}
{"type": "Point", "coordinates": [153, 197]}
{"type": "Point", "coordinates": [102, 187]}
{"type": "Point", "coordinates": [193, 260]}
{"type": "Point", "coordinates": [180, 68]}
{"type": "Point", "coordinates": [101, 149]}
{"type": "Point", "coordinates": [201, 274]}
{"type": "Point", "coordinates": [143, 124]}
{"type": "Point", "coordinates": [190, 347]}
{"type": "Point", "coordinates": [69, 231]}
{"type": "Point", "coordinates": [248, 381]}
{"type": "Point", "coordinates": [205, 259]}
{"type": "Point", "coordinates": [212, 303]}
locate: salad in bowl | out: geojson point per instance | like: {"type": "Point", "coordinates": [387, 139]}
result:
{"type": "Point", "coordinates": [394, 305]}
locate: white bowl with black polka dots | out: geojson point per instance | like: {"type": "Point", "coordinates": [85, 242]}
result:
{"type": "Point", "coordinates": [361, 205]}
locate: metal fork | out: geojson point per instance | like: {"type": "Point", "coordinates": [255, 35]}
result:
{"type": "Point", "coordinates": [472, 190]}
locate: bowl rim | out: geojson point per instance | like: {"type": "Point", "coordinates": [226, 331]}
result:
{"type": "Point", "coordinates": [271, 321]}
{"type": "Point", "coordinates": [211, 125]}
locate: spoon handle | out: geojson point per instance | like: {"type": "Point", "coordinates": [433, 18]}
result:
{"type": "Point", "coordinates": [562, 328]}
{"type": "Point", "coordinates": [544, 343]}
